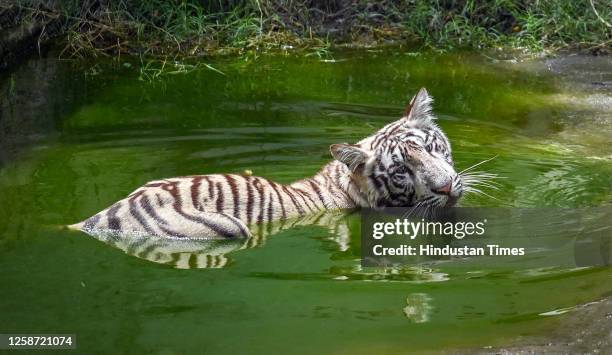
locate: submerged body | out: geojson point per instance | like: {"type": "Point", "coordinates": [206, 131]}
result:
{"type": "Point", "coordinates": [406, 163]}
{"type": "Point", "coordinates": [222, 205]}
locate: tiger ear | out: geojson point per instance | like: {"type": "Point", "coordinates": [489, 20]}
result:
{"type": "Point", "coordinates": [419, 107]}
{"type": "Point", "coordinates": [349, 154]}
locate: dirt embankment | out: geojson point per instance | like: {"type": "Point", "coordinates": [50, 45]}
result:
{"type": "Point", "coordinates": [585, 330]}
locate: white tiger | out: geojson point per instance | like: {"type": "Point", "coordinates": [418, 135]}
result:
{"type": "Point", "coordinates": [406, 163]}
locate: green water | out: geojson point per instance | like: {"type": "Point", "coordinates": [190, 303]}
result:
{"type": "Point", "coordinates": [96, 135]}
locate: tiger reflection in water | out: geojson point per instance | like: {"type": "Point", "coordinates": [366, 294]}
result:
{"type": "Point", "coordinates": [192, 253]}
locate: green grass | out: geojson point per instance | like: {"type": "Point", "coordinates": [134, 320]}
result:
{"type": "Point", "coordinates": [533, 25]}
{"type": "Point", "coordinates": [194, 28]}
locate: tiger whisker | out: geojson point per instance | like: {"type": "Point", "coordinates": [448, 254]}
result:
{"type": "Point", "coordinates": [409, 213]}
{"type": "Point", "coordinates": [471, 178]}
{"type": "Point", "coordinates": [481, 184]}
{"type": "Point", "coordinates": [487, 183]}
{"type": "Point", "coordinates": [424, 212]}
{"type": "Point", "coordinates": [480, 192]}
{"type": "Point", "coordinates": [475, 181]}
{"type": "Point", "coordinates": [415, 208]}
{"type": "Point", "coordinates": [481, 177]}
{"type": "Point", "coordinates": [475, 165]}
{"type": "Point", "coordinates": [490, 184]}
{"type": "Point", "coordinates": [481, 174]}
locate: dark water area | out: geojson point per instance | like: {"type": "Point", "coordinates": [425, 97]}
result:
{"type": "Point", "coordinates": [75, 137]}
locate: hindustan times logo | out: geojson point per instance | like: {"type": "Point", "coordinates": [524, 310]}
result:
{"type": "Point", "coordinates": [410, 229]}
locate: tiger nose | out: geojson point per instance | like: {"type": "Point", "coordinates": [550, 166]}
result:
{"type": "Point", "coordinates": [444, 190]}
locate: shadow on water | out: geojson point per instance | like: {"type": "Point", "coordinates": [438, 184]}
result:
{"type": "Point", "coordinates": [34, 100]}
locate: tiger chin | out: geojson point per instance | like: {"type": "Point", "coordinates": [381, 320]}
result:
{"type": "Point", "coordinates": [407, 163]}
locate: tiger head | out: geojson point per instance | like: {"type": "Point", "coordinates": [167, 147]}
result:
{"type": "Point", "coordinates": [406, 163]}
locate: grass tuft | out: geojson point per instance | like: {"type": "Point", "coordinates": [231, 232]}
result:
{"type": "Point", "coordinates": [162, 28]}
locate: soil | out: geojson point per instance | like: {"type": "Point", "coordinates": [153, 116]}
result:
{"type": "Point", "coordinates": [585, 330]}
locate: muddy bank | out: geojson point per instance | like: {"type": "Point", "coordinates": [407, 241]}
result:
{"type": "Point", "coordinates": [574, 71]}
{"type": "Point", "coordinates": [584, 330]}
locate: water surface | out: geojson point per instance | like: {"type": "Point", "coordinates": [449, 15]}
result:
{"type": "Point", "coordinates": [78, 137]}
